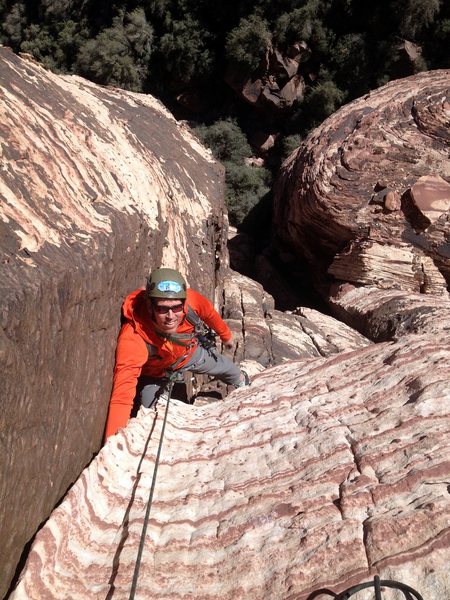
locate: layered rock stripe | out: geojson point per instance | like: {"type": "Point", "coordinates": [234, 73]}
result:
{"type": "Point", "coordinates": [375, 173]}
{"type": "Point", "coordinates": [340, 462]}
{"type": "Point", "coordinates": [97, 186]}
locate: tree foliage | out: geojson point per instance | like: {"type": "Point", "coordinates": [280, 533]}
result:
{"type": "Point", "coordinates": [245, 184]}
{"type": "Point", "coordinates": [186, 51]}
{"type": "Point", "coordinates": [119, 54]}
{"type": "Point", "coordinates": [226, 140]}
{"type": "Point", "coordinates": [247, 44]}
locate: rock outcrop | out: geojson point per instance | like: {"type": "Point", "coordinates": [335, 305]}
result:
{"type": "Point", "coordinates": [98, 185]}
{"type": "Point", "coordinates": [337, 454]}
{"type": "Point", "coordinates": [269, 337]}
{"type": "Point", "coordinates": [277, 83]}
{"type": "Point", "coordinates": [367, 196]}
{"type": "Point", "coordinates": [339, 461]}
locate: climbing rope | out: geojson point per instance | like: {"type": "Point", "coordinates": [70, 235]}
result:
{"type": "Point", "coordinates": [408, 592]}
{"type": "Point", "coordinates": [152, 489]}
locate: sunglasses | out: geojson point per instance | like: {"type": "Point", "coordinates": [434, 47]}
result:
{"type": "Point", "coordinates": [163, 310]}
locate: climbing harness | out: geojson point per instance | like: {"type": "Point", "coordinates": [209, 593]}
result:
{"type": "Point", "coordinates": [168, 387]}
{"type": "Point", "coordinates": [407, 591]}
{"type": "Point", "coordinates": [205, 336]}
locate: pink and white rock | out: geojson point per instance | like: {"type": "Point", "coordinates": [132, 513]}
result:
{"type": "Point", "coordinates": [392, 142]}
{"type": "Point", "coordinates": [98, 185]}
{"type": "Point", "coordinates": [338, 462]}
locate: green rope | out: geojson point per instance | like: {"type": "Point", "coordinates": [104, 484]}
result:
{"type": "Point", "coordinates": [150, 500]}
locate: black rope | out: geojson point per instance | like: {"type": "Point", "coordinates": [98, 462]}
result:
{"type": "Point", "coordinates": [150, 499]}
{"type": "Point", "coordinates": [407, 591]}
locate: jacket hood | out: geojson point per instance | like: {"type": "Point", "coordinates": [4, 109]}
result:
{"type": "Point", "coordinates": [134, 310]}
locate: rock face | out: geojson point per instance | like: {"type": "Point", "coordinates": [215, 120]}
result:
{"type": "Point", "coordinates": [97, 186]}
{"type": "Point", "coordinates": [277, 83]}
{"type": "Point", "coordinates": [339, 461]}
{"type": "Point", "coordinates": [337, 455]}
{"type": "Point", "coordinates": [270, 337]}
{"type": "Point", "coordinates": [367, 196]}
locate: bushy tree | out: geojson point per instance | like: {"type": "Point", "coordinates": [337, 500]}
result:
{"type": "Point", "coordinates": [415, 15]}
{"type": "Point", "coordinates": [13, 25]}
{"type": "Point", "coordinates": [185, 51]}
{"type": "Point", "coordinates": [247, 44]}
{"type": "Point", "coordinates": [321, 101]}
{"type": "Point", "coordinates": [40, 42]}
{"type": "Point", "coordinates": [305, 23]}
{"type": "Point", "coordinates": [245, 185]}
{"type": "Point", "coordinates": [226, 140]}
{"type": "Point", "coordinates": [119, 55]}
{"type": "Point", "coordinates": [349, 64]}
{"type": "Point", "coordinates": [245, 188]}
{"type": "Point", "coordinates": [288, 144]}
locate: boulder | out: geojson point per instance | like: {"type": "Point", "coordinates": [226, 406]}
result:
{"type": "Point", "coordinates": [98, 186]}
{"type": "Point", "coordinates": [276, 84]}
{"type": "Point", "coordinates": [270, 337]}
{"type": "Point", "coordinates": [367, 193]}
{"type": "Point", "coordinates": [339, 461]}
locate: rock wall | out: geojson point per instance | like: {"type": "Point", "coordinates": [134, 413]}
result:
{"type": "Point", "coordinates": [98, 186]}
{"type": "Point", "coordinates": [366, 198]}
{"type": "Point", "coordinates": [339, 461]}
{"type": "Point", "coordinates": [337, 455]}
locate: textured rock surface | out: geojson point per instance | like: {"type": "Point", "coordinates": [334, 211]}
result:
{"type": "Point", "coordinates": [389, 314]}
{"type": "Point", "coordinates": [270, 337]}
{"type": "Point", "coordinates": [339, 461]}
{"type": "Point", "coordinates": [97, 186]}
{"type": "Point", "coordinates": [276, 84]}
{"type": "Point", "coordinates": [358, 178]}
{"type": "Point", "coordinates": [337, 458]}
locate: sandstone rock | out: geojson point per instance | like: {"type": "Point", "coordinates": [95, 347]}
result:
{"type": "Point", "coordinates": [339, 461]}
{"type": "Point", "coordinates": [383, 314]}
{"type": "Point", "coordinates": [98, 185]}
{"type": "Point", "coordinates": [388, 266]}
{"type": "Point", "coordinates": [276, 84]}
{"type": "Point", "coordinates": [271, 337]}
{"type": "Point", "coordinates": [263, 141]}
{"type": "Point", "coordinates": [429, 199]}
{"type": "Point", "coordinates": [392, 138]}
{"type": "Point", "coordinates": [283, 65]}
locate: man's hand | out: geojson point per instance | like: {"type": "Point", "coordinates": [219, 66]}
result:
{"type": "Point", "coordinates": [229, 345]}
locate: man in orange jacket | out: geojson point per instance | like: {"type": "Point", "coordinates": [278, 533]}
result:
{"type": "Point", "coordinates": [157, 338]}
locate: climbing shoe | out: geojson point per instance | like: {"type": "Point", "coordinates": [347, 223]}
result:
{"type": "Point", "coordinates": [245, 380]}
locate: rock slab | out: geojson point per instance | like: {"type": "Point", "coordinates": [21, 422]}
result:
{"type": "Point", "coordinates": [98, 186]}
{"type": "Point", "coordinates": [340, 461]}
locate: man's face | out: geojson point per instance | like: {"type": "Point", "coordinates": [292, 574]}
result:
{"type": "Point", "coordinates": [167, 314]}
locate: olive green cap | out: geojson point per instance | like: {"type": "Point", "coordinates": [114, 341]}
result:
{"type": "Point", "coordinates": [166, 283]}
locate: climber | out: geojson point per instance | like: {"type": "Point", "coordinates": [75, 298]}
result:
{"type": "Point", "coordinates": [158, 338]}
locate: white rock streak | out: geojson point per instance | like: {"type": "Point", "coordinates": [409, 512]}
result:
{"type": "Point", "coordinates": [339, 461]}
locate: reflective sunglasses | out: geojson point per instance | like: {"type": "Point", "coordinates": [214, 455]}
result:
{"type": "Point", "coordinates": [163, 310]}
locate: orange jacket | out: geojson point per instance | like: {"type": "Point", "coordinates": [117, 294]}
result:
{"type": "Point", "coordinates": [133, 356]}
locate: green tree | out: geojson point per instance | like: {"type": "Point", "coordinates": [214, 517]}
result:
{"type": "Point", "coordinates": [226, 140]}
{"type": "Point", "coordinates": [305, 23]}
{"type": "Point", "coordinates": [13, 25]}
{"type": "Point", "coordinates": [415, 15]}
{"type": "Point", "coordinates": [119, 55]}
{"type": "Point", "coordinates": [184, 52]}
{"type": "Point", "coordinates": [322, 100]}
{"type": "Point", "coordinates": [245, 188]}
{"type": "Point", "coordinates": [349, 63]}
{"type": "Point", "coordinates": [41, 44]}
{"type": "Point", "coordinates": [247, 44]}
